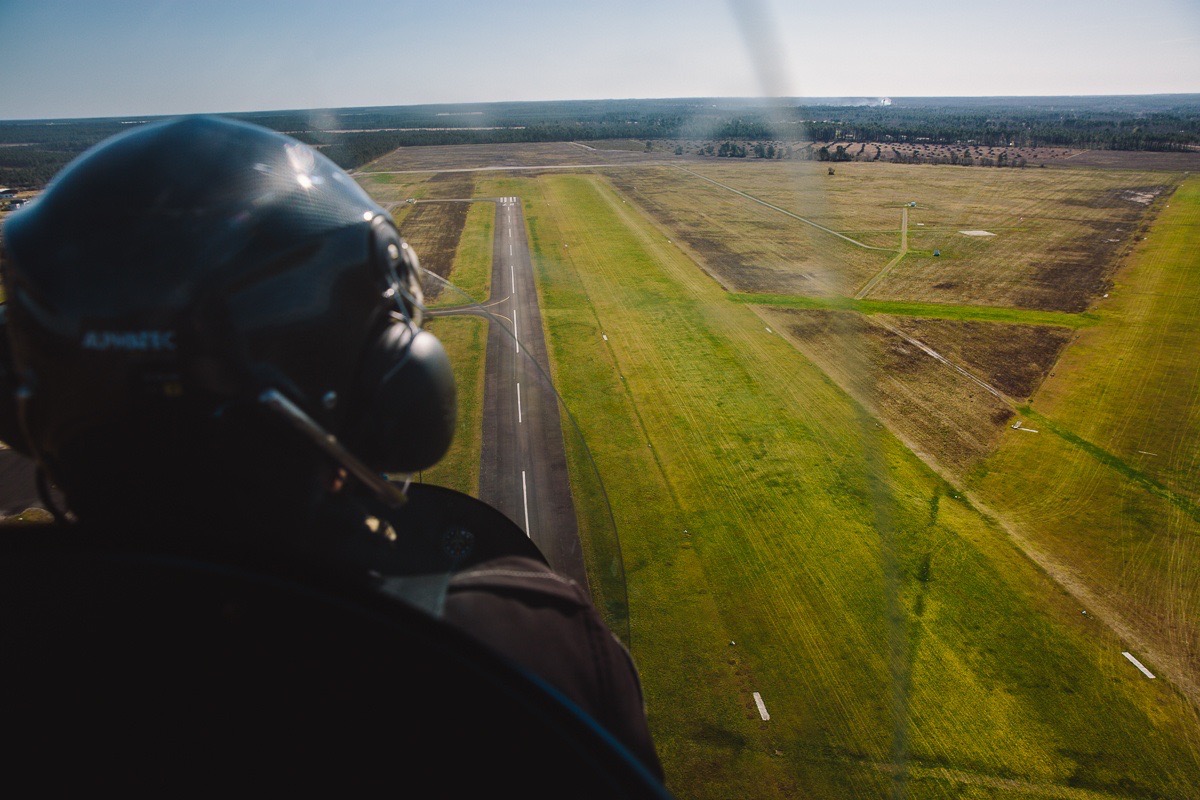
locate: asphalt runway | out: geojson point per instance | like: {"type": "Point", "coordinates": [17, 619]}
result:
{"type": "Point", "coordinates": [523, 466]}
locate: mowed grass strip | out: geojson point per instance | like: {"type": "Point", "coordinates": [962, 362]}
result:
{"type": "Point", "coordinates": [913, 309]}
{"type": "Point", "coordinates": [884, 621]}
{"type": "Point", "coordinates": [1106, 458]}
{"type": "Point", "coordinates": [465, 340]}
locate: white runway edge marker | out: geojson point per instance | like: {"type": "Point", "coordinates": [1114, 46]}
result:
{"type": "Point", "coordinates": [1138, 664]}
{"type": "Point", "coordinates": [525, 500]}
{"type": "Point", "coordinates": [762, 708]}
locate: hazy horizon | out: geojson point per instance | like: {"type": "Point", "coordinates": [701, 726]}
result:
{"type": "Point", "coordinates": [816, 101]}
{"type": "Point", "coordinates": [73, 59]}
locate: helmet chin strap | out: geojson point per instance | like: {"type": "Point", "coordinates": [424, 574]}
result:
{"type": "Point", "coordinates": [385, 491]}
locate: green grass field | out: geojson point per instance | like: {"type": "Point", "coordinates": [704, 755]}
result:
{"type": "Point", "coordinates": [884, 621]}
{"type": "Point", "coordinates": [779, 539]}
{"type": "Point", "coordinates": [465, 340]}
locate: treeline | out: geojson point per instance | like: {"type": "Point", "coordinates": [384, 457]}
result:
{"type": "Point", "coordinates": [924, 154]}
{"type": "Point", "coordinates": [1013, 128]}
{"type": "Point", "coordinates": [350, 150]}
{"type": "Point", "coordinates": [31, 167]}
{"type": "Point", "coordinates": [32, 151]}
{"type": "Point", "coordinates": [741, 150]}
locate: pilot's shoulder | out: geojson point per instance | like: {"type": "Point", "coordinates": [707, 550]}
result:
{"type": "Point", "coordinates": [515, 575]}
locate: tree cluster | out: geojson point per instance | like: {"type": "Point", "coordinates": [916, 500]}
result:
{"type": "Point", "coordinates": [1011, 127]}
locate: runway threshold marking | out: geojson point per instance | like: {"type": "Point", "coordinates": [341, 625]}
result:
{"type": "Point", "coordinates": [1138, 664]}
{"type": "Point", "coordinates": [525, 500]}
{"type": "Point", "coordinates": [762, 708]}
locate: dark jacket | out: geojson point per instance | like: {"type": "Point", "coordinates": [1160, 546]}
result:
{"type": "Point", "coordinates": [547, 624]}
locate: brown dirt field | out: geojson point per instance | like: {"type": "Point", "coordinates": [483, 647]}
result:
{"type": "Point", "coordinates": [433, 229]}
{"type": "Point", "coordinates": [1078, 270]}
{"type": "Point", "coordinates": [442, 158]}
{"type": "Point", "coordinates": [1013, 358]}
{"type": "Point", "coordinates": [735, 271]}
{"type": "Point", "coordinates": [1060, 235]}
{"type": "Point", "coordinates": [940, 414]}
{"type": "Point", "coordinates": [1057, 246]}
{"type": "Point", "coordinates": [450, 186]}
{"type": "Point", "coordinates": [745, 246]}
{"type": "Point", "coordinates": [1125, 159]}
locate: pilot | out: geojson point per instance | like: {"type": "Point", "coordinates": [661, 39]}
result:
{"type": "Point", "coordinates": [213, 350]}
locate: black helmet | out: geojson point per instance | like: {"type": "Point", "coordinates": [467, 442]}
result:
{"type": "Point", "coordinates": [207, 299]}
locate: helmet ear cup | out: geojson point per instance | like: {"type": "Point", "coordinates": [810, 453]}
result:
{"type": "Point", "coordinates": [401, 268]}
{"type": "Point", "coordinates": [411, 407]}
{"type": "Point", "coordinates": [10, 421]}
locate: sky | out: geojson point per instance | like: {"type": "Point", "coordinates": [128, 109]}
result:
{"type": "Point", "coordinates": [93, 58]}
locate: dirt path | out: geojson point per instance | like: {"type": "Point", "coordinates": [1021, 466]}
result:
{"type": "Point", "coordinates": [929, 351]}
{"type": "Point", "coordinates": [869, 285]}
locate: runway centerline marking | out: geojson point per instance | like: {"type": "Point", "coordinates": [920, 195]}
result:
{"type": "Point", "coordinates": [525, 499]}
{"type": "Point", "coordinates": [513, 274]}
{"type": "Point", "coordinates": [519, 403]}
{"type": "Point", "coordinates": [516, 338]}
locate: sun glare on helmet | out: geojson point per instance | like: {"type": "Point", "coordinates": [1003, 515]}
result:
{"type": "Point", "coordinates": [303, 161]}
